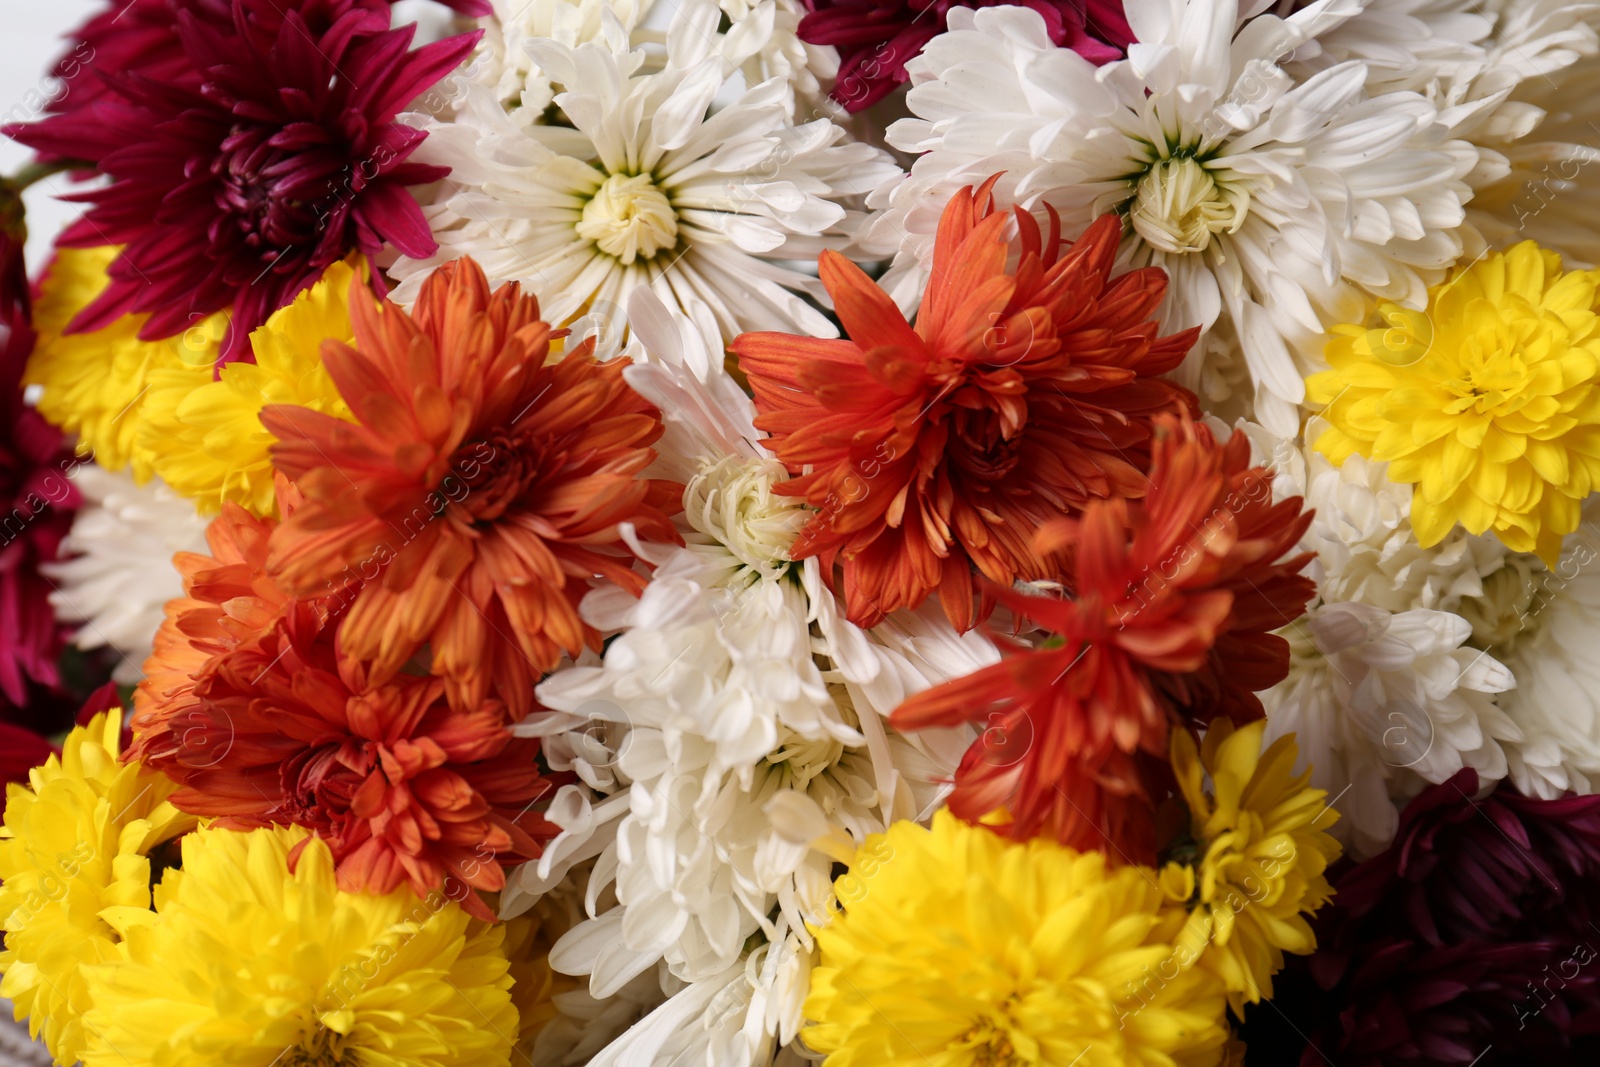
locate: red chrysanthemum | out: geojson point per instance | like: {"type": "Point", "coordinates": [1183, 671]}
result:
{"type": "Point", "coordinates": [271, 154]}
{"type": "Point", "coordinates": [141, 36]}
{"type": "Point", "coordinates": [37, 500]}
{"type": "Point", "coordinates": [480, 490]}
{"type": "Point", "coordinates": [21, 750]}
{"type": "Point", "coordinates": [1166, 623]}
{"type": "Point", "coordinates": [877, 38]}
{"type": "Point", "coordinates": [249, 704]}
{"type": "Point", "coordinates": [1020, 395]}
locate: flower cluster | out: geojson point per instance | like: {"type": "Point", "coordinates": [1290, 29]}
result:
{"type": "Point", "coordinates": [738, 533]}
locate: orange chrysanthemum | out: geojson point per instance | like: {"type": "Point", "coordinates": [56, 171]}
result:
{"type": "Point", "coordinates": [230, 600]}
{"type": "Point", "coordinates": [1020, 395]}
{"type": "Point", "coordinates": [480, 489]}
{"type": "Point", "coordinates": [250, 706]}
{"type": "Point", "coordinates": [1167, 622]}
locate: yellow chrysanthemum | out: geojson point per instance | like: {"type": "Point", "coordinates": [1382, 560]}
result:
{"type": "Point", "coordinates": [1488, 403]}
{"type": "Point", "coordinates": [97, 384]}
{"type": "Point", "coordinates": [246, 964]}
{"type": "Point", "coordinates": [74, 866]}
{"type": "Point", "coordinates": [1260, 854]}
{"type": "Point", "coordinates": [956, 947]}
{"type": "Point", "coordinates": [207, 441]}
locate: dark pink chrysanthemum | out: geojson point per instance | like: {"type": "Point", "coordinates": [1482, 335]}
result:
{"type": "Point", "coordinates": [142, 36]}
{"type": "Point", "coordinates": [876, 38]}
{"type": "Point", "coordinates": [37, 501]}
{"type": "Point", "coordinates": [234, 186]}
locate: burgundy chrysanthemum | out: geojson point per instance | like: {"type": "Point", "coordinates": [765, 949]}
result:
{"type": "Point", "coordinates": [37, 501]}
{"type": "Point", "coordinates": [142, 36]}
{"type": "Point", "coordinates": [876, 38]}
{"type": "Point", "coordinates": [1473, 940]}
{"type": "Point", "coordinates": [270, 153]}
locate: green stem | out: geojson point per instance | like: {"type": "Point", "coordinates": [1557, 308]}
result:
{"type": "Point", "coordinates": [37, 171]}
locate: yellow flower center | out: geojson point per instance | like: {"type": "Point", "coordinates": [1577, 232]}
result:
{"type": "Point", "coordinates": [732, 501]}
{"type": "Point", "coordinates": [1510, 608]}
{"type": "Point", "coordinates": [801, 761]}
{"type": "Point", "coordinates": [1494, 377]}
{"type": "Point", "coordinates": [629, 218]}
{"type": "Point", "coordinates": [320, 1048]}
{"type": "Point", "coordinates": [990, 1045]}
{"type": "Point", "coordinates": [1180, 204]}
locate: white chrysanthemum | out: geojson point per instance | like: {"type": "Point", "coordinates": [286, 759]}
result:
{"type": "Point", "coordinates": [1514, 77]}
{"type": "Point", "coordinates": [505, 64]}
{"type": "Point", "coordinates": [732, 743]}
{"type": "Point", "coordinates": [1383, 704]}
{"type": "Point", "coordinates": [760, 42]}
{"type": "Point", "coordinates": [1550, 188]}
{"type": "Point", "coordinates": [1543, 622]}
{"type": "Point", "coordinates": [651, 184]}
{"type": "Point", "coordinates": [1361, 531]}
{"type": "Point", "coordinates": [117, 572]}
{"type": "Point", "coordinates": [1274, 206]}
{"type": "Point", "coordinates": [1383, 692]}
{"type": "Point", "coordinates": [729, 1019]}
{"type": "Point", "coordinates": [586, 1025]}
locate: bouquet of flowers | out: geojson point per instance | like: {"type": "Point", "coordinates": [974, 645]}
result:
{"type": "Point", "coordinates": [752, 532]}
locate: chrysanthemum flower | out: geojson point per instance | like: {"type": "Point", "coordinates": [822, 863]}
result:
{"type": "Point", "coordinates": [1254, 855]}
{"type": "Point", "coordinates": [932, 451]}
{"type": "Point", "coordinates": [116, 576]}
{"type": "Point", "coordinates": [876, 38]}
{"type": "Point", "coordinates": [250, 706]}
{"type": "Point", "coordinates": [234, 189]}
{"type": "Point", "coordinates": [95, 384]}
{"type": "Point", "coordinates": [252, 958]}
{"type": "Point", "coordinates": [1190, 142]}
{"type": "Point", "coordinates": [1488, 403]}
{"type": "Point", "coordinates": [207, 441]}
{"type": "Point", "coordinates": [734, 721]}
{"type": "Point", "coordinates": [1465, 869]}
{"type": "Point", "coordinates": [37, 498]}
{"type": "Point", "coordinates": [479, 492]}
{"type": "Point", "coordinates": [681, 173]}
{"type": "Point", "coordinates": [956, 947]}
{"type": "Point", "coordinates": [1475, 929]}
{"type": "Point", "coordinates": [1540, 622]}
{"type": "Point", "coordinates": [141, 37]}
{"type": "Point", "coordinates": [228, 602]}
{"type": "Point", "coordinates": [404, 788]}
{"type": "Point", "coordinates": [1167, 622]}
{"type": "Point", "coordinates": [75, 873]}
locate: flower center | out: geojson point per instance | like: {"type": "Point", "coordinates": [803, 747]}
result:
{"type": "Point", "coordinates": [1494, 382]}
{"type": "Point", "coordinates": [732, 502]}
{"type": "Point", "coordinates": [802, 760]}
{"type": "Point", "coordinates": [320, 1048]}
{"type": "Point", "coordinates": [989, 1045]}
{"type": "Point", "coordinates": [1509, 609]}
{"type": "Point", "coordinates": [486, 477]}
{"type": "Point", "coordinates": [270, 212]}
{"type": "Point", "coordinates": [1180, 204]}
{"type": "Point", "coordinates": [629, 218]}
